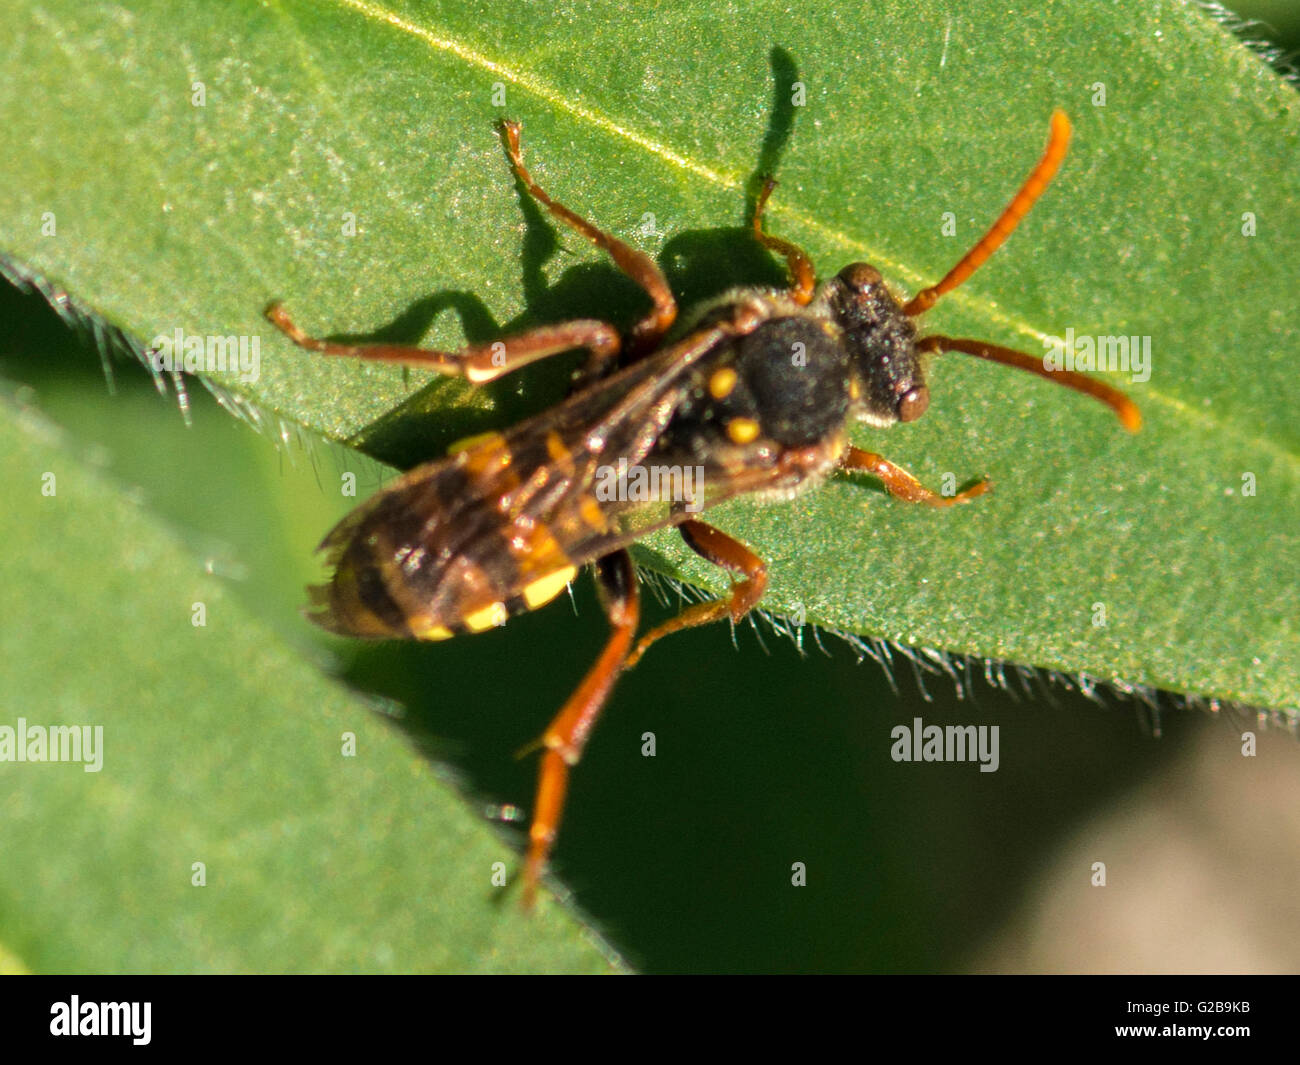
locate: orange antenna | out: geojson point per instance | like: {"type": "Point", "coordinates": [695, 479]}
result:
{"type": "Point", "coordinates": [1058, 141]}
{"type": "Point", "coordinates": [1127, 411]}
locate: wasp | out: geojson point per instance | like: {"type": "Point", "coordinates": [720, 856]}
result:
{"type": "Point", "coordinates": [754, 391]}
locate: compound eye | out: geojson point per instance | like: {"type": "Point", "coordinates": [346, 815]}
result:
{"type": "Point", "coordinates": [913, 404]}
{"type": "Point", "coordinates": [860, 276]}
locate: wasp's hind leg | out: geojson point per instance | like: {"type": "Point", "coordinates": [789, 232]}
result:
{"type": "Point", "coordinates": [636, 264]}
{"type": "Point", "coordinates": [566, 736]}
{"type": "Point", "coordinates": [477, 363]}
{"type": "Point", "coordinates": [803, 278]}
{"type": "Point", "coordinates": [720, 549]}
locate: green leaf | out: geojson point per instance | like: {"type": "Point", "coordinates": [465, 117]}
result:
{"type": "Point", "coordinates": [313, 861]}
{"type": "Point", "coordinates": [175, 216]}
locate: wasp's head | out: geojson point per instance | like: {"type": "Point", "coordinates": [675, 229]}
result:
{"type": "Point", "coordinates": [881, 341]}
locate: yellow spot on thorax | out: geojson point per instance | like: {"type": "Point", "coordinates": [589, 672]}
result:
{"type": "Point", "coordinates": [742, 430]}
{"type": "Point", "coordinates": [722, 382]}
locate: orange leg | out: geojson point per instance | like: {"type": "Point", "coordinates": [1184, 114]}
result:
{"type": "Point", "coordinates": [803, 278]}
{"type": "Point", "coordinates": [901, 484]}
{"type": "Point", "coordinates": [1058, 141]}
{"type": "Point", "coordinates": [567, 735]}
{"type": "Point", "coordinates": [636, 264]}
{"type": "Point", "coordinates": [730, 554]}
{"type": "Point", "coordinates": [477, 363]}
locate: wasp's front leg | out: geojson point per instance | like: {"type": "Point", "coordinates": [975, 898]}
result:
{"type": "Point", "coordinates": [803, 278]}
{"type": "Point", "coordinates": [901, 484]}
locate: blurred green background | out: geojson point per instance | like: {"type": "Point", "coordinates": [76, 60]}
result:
{"type": "Point", "coordinates": [766, 757]}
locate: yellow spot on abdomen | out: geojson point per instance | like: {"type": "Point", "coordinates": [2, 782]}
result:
{"type": "Point", "coordinates": [423, 627]}
{"type": "Point", "coordinates": [482, 454]}
{"type": "Point", "coordinates": [544, 589]}
{"type": "Point", "coordinates": [488, 617]}
{"type": "Point", "coordinates": [556, 449]}
{"type": "Point", "coordinates": [742, 430]}
{"type": "Point", "coordinates": [470, 441]}
{"type": "Point", "coordinates": [592, 514]}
